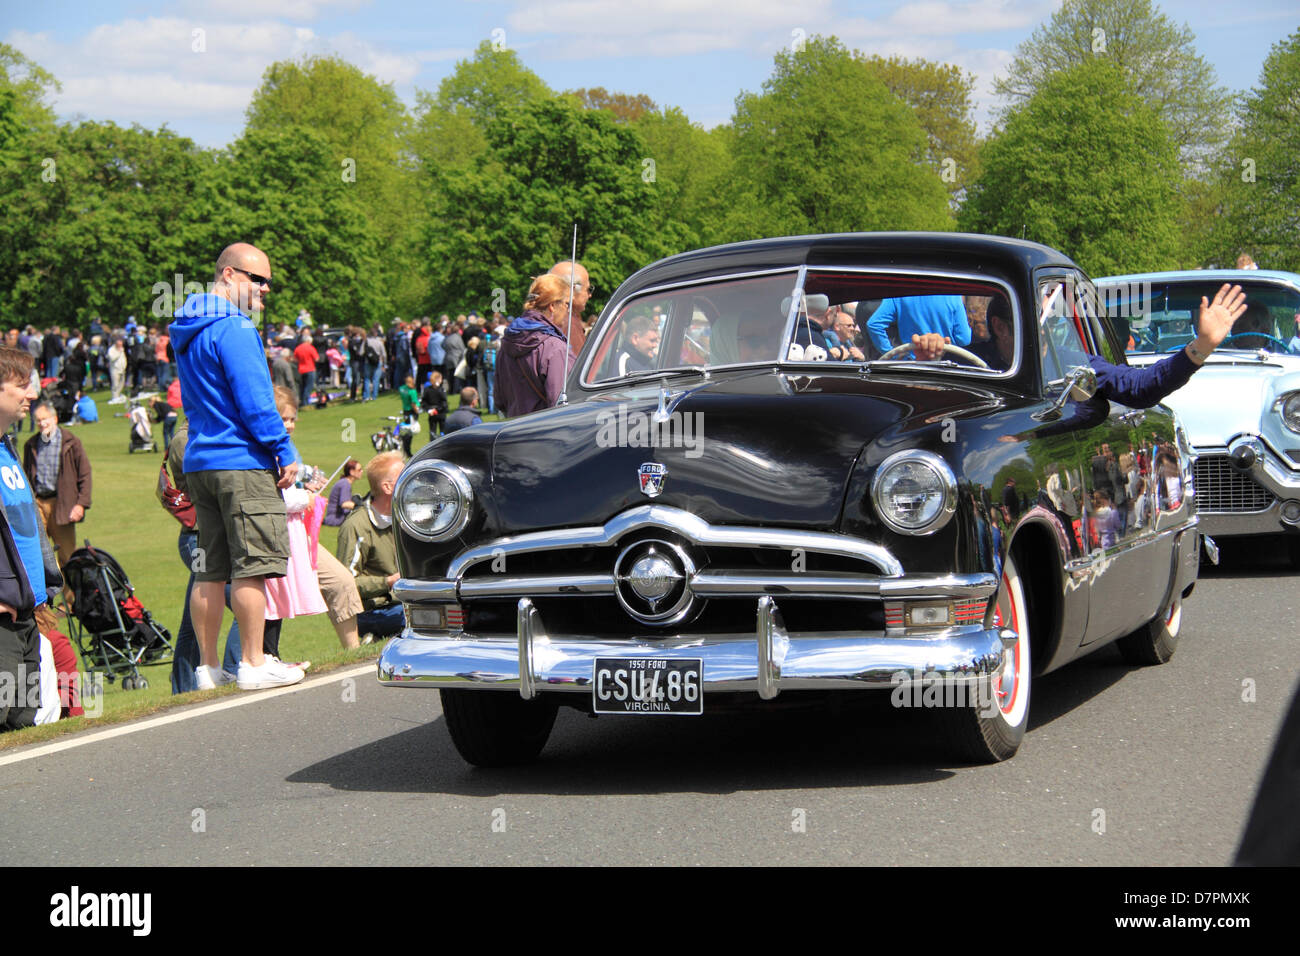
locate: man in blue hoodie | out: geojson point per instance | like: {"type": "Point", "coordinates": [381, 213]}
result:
{"type": "Point", "coordinates": [237, 459]}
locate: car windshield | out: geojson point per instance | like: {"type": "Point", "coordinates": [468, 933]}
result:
{"type": "Point", "coordinates": [838, 317]}
{"type": "Point", "coordinates": [1155, 316]}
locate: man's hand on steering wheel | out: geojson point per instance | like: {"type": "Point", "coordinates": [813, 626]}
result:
{"type": "Point", "coordinates": [929, 347]}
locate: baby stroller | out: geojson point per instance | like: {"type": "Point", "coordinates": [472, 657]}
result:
{"type": "Point", "coordinates": [114, 632]}
{"type": "Point", "coordinates": [141, 430]}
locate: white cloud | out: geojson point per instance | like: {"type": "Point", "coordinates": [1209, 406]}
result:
{"type": "Point", "coordinates": [159, 69]}
{"type": "Point", "coordinates": [596, 29]}
{"type": "Point", "coordinates": [284, 9]}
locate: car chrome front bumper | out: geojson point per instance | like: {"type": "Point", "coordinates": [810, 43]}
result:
{"type": "Point", "coordinates": [765, 662]}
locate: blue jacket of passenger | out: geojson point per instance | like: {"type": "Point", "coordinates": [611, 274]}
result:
{"type": "Point", "coordinates": [233, 422]}
{"type": "Point", "coordinates": [1142, 387]}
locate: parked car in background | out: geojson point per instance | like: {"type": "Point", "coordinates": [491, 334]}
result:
{"type": "Point", "coordinates": [728, 515]}
{"type": "Point", "coordinates": [1242, 411]}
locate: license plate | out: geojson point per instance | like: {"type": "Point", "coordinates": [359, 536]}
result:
{"type": "Point", "coordinates": [647, 685]}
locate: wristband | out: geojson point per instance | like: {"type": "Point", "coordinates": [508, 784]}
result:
{"type": "Point", "coordinates": [1195, 355]}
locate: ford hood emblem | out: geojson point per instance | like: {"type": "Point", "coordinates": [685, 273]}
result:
{"type": "Point", "coordinates": [652, 477]}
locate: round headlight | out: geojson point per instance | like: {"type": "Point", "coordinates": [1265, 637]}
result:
{"type": "Point", "coordinates": [432, 500]}
{"type": "Point", "coordinates": [1291, 412]}
{"type": "Point", "coordinates": [915, 492]}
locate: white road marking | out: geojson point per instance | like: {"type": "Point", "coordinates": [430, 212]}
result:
{"type": "Point", "coordinates": [251, 697]}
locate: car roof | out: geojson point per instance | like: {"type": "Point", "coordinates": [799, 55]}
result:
{"type": "Point", "coordinates": [1207, 275]}
{"type": "Point", "coordinates": [901, 249]}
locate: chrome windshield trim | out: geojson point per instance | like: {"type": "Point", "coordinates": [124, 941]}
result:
{"type": "Point", "coordinates": [689, 526]}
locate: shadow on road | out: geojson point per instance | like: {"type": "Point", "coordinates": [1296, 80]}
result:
{"type": "Point", "coordinates": [1250, 558]}
{"type": "Point", "coordinates": [860, 742]}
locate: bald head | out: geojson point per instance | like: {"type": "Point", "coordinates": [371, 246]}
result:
{"type": "Point", "coordinates": [575, 273]}
{"type": "Point", "coordinates": [236, 266]}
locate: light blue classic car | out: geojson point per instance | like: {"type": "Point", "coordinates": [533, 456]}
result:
{"type": "Point", "coordinates": [1242, 411]}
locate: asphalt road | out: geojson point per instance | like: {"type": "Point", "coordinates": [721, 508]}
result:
{"type": "Point", "coordinates": [1122, 766]}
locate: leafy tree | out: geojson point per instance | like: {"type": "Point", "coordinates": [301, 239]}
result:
{"type": "Point", "coordinates": [690, 179]}
{"type": "Point", "coordinates": [281, 190]}
{"type": "Point", "coordinates": [1085, 166]}
{"type": "Point", "coordinates": [366, 127]}
{"type": "Point", "coordinates": [1159, 58]}
{"type": "Point", "coordinates": [31, 86]}
{"type": "Point", "coordinates": [828, 148]}
{"type": "Point", "coordinates": [940, 95]}
{"type": "Point", "coordinates": [507, 215]}
{"type": "Point", "coordinates": [624, 107]}
{"type": "Point", "coordinates": [1261, 178]}
{"type": "Point", "coordinates": [492, 82]}
{"type": "Point", "coordinates": [98, 214]}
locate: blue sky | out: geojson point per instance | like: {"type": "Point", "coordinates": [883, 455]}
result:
{"type": "Point", "coordinates": [133, 61]}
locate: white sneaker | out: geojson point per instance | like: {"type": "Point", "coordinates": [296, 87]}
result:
{"type": "Point", "coordinates": [303, 666]}
{"type": "Point", "coordinates": [210, 678]}
{"type": "Point", "coordinates": [272, 673]}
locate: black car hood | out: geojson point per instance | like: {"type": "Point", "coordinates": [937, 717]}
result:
{"type": "Point", "coordinates": [760, 447]}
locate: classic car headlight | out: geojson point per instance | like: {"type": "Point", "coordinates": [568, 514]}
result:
{"type": "Point", "coordinates": [1290, 406]}
{"type": "Point", "coordinates": [915, 492]}
{"type": "Point", "coordinates": [432, 500]}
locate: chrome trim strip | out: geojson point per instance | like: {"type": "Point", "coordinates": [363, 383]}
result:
{"type": "Point", "coordinates": [710, 584]}
{"type": "Point", "coordinates": [861, 660]}
{"type": "Point", "coordinates": [693, 528]}
{"type": "Point", "coordinates": [545, 585]}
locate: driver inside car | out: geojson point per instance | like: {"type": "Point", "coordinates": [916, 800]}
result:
{"type": "Point", "coordinates": [1128, 385]}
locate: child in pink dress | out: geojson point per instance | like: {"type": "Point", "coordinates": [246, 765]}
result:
{"type": "Point", "coordinates": [298, 592]}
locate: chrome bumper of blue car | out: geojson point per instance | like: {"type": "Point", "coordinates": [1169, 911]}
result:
{"type": "Point", "coordinates": [765, 662]}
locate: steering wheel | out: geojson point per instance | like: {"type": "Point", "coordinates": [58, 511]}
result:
{"type": "Point", "coordinates": [961, 353]}
{"type": "Point", "coordinates": [1257, 335]}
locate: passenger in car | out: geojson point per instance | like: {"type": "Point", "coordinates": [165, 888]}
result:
{"type": "Point", "coordinates": [642, 344]}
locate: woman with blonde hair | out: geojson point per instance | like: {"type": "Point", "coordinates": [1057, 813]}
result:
{"type": "Point", "coordinates": [535, 350]}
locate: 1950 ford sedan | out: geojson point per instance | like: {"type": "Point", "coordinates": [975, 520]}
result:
{"type": "Point", "coordinates": [723, 512]}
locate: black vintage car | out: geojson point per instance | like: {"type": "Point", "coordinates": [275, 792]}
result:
{"type": "Point", "coordinates": [723, 511]}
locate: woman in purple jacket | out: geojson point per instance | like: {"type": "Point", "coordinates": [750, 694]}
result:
{"type": "Point", "coordinates": [533, 354]}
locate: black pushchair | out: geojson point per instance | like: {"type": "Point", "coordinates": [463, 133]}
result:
{"type": "Point", "coordinates": [62, 397]}
{"type": "Point", "coordinates": [114, 632]}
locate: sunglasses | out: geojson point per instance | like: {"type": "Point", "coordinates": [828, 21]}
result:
{"type": "Point", "coordinates": [257, 279]}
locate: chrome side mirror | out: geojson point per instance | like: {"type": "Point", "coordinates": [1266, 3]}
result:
{"type": "Point", "coordinates": [1080, 385]}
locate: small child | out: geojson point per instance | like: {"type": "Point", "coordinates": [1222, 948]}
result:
{"type": "Point", "coordinates": [410, 411]}
{"type": "Point", "coordinates": [434, 402]}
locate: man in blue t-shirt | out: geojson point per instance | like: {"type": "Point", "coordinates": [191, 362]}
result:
{"type": "Point", "coordinates": [22, 564]}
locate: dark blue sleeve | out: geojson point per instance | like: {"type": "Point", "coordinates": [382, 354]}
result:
{"type": "Point", "coordinates": [1142, 387]}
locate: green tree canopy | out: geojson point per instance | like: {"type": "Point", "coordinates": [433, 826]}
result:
{"type": "Point", "coordinates": [1261, 183]}
{"type": "Point", "coordinates": [281, 190]}
{"type": "Point", "coordinates": [1087, 167]}
{"type": "Point", "coordinates": [826, 147]}
{"type": "Point", "coordinates": [940, 96]}
{"type": "Point", "coordinates": [366, 126]}
{"type": "Point", "coordinates": [624, 107]}
{"type": "Point", "coordinates": [96, 215]}
{"type": "Point", "coordinates": [507, 215]}
{"type": "Point", "coordinates": [1157, 56]}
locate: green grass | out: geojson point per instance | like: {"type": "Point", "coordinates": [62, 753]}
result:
{"type": "Point", "coordinates": [127, 520]}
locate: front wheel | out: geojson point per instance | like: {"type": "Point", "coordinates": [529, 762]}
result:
{"type": "Point", "coordinates": [991, 728]}
{"type": "Point", "coordinates": [497, 728]}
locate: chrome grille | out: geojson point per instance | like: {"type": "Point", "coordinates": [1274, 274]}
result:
{"type": "Point", "coordinates": [1221, 487]}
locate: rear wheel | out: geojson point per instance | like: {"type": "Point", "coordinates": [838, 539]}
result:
{"type": "Point", "coordinates": [990, 729]}
{"type": "Point", "coordinates": [497, 728]}
{"type": "Point", "coordinates": [1154, 642]}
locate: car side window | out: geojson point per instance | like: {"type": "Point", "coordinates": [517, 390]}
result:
{"type": "Point", "coordinates": [1058, 327]}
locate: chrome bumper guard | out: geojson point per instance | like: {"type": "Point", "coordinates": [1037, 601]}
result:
{"type": "Point", "coordinates": [765, 662]}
